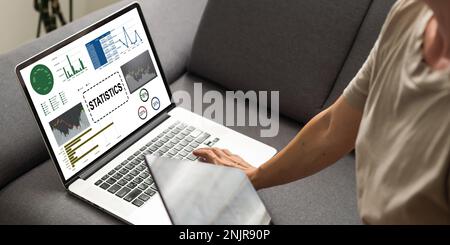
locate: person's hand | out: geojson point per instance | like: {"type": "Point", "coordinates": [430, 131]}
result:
{"type": "Point", "coordinates": [224, 157]}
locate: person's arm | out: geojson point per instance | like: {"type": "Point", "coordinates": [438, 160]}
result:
{"type": "Point", "coordinates": [324, 140]}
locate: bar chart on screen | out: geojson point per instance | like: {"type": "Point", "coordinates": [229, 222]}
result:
{"type": "Point", "coordinates": [84, 146]}
{"type": "Point", "coordinates": [70, 65]}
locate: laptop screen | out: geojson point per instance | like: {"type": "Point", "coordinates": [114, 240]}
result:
{"type": "Point", "coordinates": [94, 91]}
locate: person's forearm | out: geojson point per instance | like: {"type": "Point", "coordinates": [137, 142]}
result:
{"type": "Point", "coordinates": [323, 141]}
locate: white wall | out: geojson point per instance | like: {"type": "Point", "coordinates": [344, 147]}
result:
{"type": "Point", "coordinates": [19, 19]}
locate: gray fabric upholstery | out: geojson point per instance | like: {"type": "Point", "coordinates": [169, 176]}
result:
{"type": "Point", "coordinates": [328, 197]}
{"type": "Point", "coordinates": [173, 25]}
{"type": "Point", "coordinates": [38, 197]}
{"type": "Point", "coordinates": [363, 44]}
{"type": "Point", "coordinates": [20, 142]}
{"type": "Point", "coordinates": [296, 47]}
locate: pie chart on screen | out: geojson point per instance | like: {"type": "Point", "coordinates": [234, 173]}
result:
{"type": "Point", "coordinates": [41, 79]}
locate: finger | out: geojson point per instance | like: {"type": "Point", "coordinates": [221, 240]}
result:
{"type": "Point", "coordinates": [240, 161]}
{"type": "Point", "coordinates": [206, 155]}
{"type": "Point", "coordinates": [236, 159]}
{"type": "Point", "coordinates": [229, 159]}
{"type": "Point", "coordinates": [232, 157]}
{"type": "Point", "coordinates": [222, 158]}
{"type": "Point", "coordinates": [200, 151]}
{"type": "Point", "coordinates": [228, 152]}
{"type": "Point", "coordinates": [245, 164]}
{"type": "Point", "coordinates": [215, 156]}
{"type": "Point", "coordinates": [220, 153]}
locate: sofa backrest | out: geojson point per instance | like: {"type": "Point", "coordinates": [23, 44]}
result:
{"type": "Point", "coordinates": [297, 47]}
{"type": "Point", "coordinates": [364, 41]}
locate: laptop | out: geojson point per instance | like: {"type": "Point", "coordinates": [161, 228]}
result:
{"type": "Point", "coordinates": [102, 103]}
{"type": "Point", "coordinates": [205, 194]}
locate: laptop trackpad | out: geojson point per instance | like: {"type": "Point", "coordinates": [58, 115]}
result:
{"type": "Point", "coordinates": [197, 193]}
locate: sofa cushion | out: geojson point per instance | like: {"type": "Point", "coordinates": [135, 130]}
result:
{"type": "Point", "coordinates": [326, 198]}
{"type": "Point", "coordinates": [39, 198]}
{"type": "Point", "coordinates": [173, 25]}
{"type": "Point", "coordinates": [296, 47]}
{"type": "Point", "coordinates": [329, 197]}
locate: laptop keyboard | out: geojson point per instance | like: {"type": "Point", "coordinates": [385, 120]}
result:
{"type": "Point", "coordinates": [131, 180]}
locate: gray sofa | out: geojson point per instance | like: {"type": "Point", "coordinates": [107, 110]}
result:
{"type": "Point", "coordinates": [307, 49]}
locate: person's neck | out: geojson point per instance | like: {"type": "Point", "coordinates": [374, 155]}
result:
{"type": "Point", "coordinates": [446, 51]}
{"type": "Point", "coordinates": [444, 34]}
{"type": "Point", "coordinates": [437, 35]}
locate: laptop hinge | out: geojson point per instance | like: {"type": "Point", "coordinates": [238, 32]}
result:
{"type": "Point", "coordinates": [85, 174]}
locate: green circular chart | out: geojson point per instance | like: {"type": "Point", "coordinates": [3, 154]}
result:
{"type": "Point", "coordinates": [41, 79]}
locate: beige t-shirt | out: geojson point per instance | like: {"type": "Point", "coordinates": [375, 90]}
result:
{"type": "Point", "coordinates": [403, 144]}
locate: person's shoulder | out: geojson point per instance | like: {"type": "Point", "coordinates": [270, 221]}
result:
{"type": "Point", "coordinates": [400, 4]}
{"type": "Point", "coordinates": [405, 7]}
{"type": "Point", "coordinates": [402, 18]}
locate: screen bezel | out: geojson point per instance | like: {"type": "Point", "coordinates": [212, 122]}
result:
{"type": "Point", "coordinates": [68, 41]}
